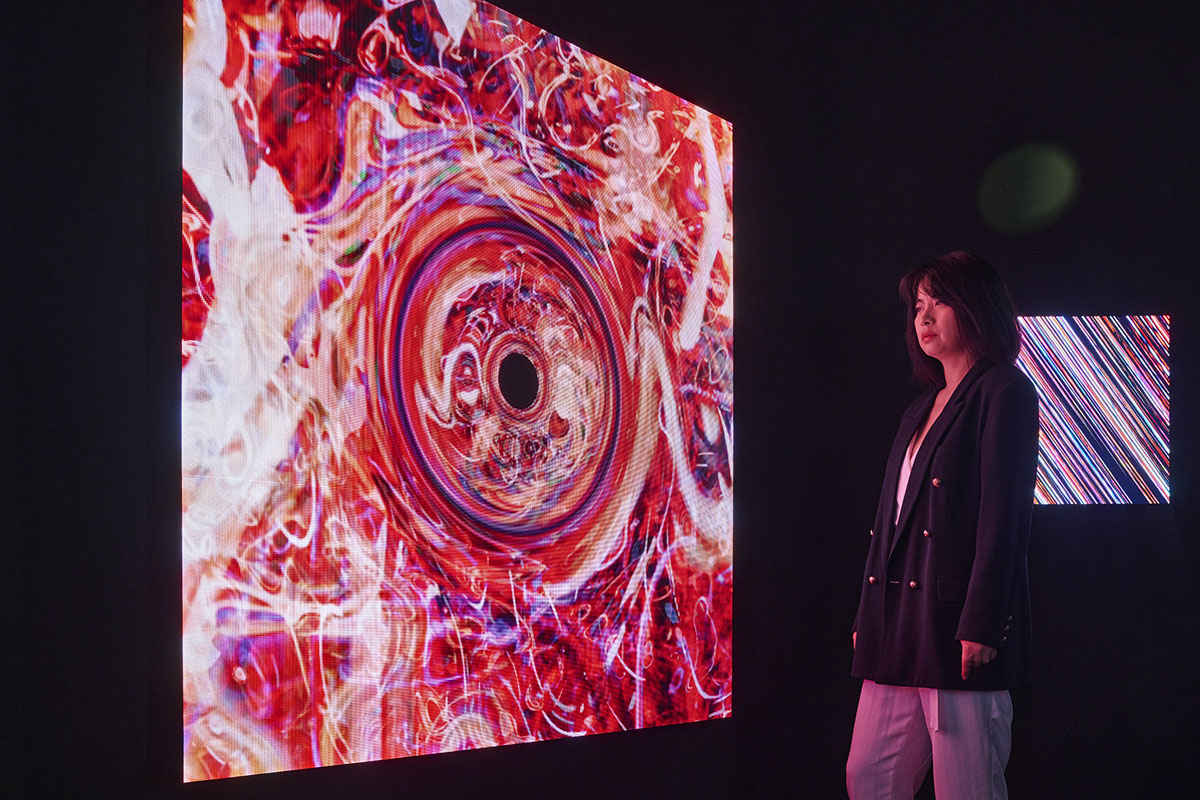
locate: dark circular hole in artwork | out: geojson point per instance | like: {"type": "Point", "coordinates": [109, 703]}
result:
{"type": "Point", "coordinates": [518, 380]}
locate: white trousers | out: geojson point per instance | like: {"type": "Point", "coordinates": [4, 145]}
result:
{"type": "Point", "coordinates": [900, 730]}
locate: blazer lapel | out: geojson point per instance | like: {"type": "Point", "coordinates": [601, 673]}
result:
{"type": "Point", "coordinates": [920, 468]}
{"type": "Point", "coordinates": [912, 419]}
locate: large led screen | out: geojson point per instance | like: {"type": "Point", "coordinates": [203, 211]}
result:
{"type": "Point", "coordinates": [457, 388]}
{"type": "Point", "coordinates": [1103, 384]}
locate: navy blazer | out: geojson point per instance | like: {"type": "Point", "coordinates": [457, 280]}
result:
{"type": "Point", "coordinates": [954, 566]}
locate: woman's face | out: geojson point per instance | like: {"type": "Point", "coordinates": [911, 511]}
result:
{"type": "Point", "coordinates": [937, 328]}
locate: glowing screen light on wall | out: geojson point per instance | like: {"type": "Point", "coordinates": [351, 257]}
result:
{"type": "Point", "coordinates": [457, 388]}
{"type": "Point", "coordinates": [1104, 388]}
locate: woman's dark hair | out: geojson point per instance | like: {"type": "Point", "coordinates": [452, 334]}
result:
{"type": "Point", "coordinates": [987, 319]}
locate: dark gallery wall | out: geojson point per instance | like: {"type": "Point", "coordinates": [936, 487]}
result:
{"type": "Point", "coordinates": [861, 137]}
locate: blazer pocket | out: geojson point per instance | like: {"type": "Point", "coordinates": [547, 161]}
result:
{"type": "Point", "coordinates": [952, 590]}
{"type": "Point", "coordinates": [945, 461]}
{"type": "Point", "coordinates": [949, 446]}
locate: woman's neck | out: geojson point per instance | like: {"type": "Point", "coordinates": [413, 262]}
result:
{"type": "Point", "coordinates": [954, 368]}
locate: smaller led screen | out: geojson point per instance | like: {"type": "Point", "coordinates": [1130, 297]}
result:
{"type": "Point", "coordinates": [1103, 384]}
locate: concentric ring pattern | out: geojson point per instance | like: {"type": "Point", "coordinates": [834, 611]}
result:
{"type": "Point", "coordinates": [390, 209]}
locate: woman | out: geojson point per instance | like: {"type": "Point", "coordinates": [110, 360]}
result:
{"type": "Point", "coordinates": [942, 630]}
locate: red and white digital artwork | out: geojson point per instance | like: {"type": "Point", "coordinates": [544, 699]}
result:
{"type": "Point", "coordinates": [457, 388]}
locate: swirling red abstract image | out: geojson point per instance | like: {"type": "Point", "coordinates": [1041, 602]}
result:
{"type": "Point", "coordinates": [457, 388]}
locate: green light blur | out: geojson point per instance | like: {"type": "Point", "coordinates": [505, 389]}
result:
{"type": "Point", "coordinates": [1028, 188]}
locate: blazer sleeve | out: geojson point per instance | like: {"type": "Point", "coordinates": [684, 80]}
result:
{"type": "Point", "coordinates": [1008, 470]}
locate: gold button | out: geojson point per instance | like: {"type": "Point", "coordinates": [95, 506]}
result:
{"type": "Point", "coordinates": [926, 534]}
{"type": "Point", "coordinates": [937, 481]}
{"type": "Point", "coordinates": [912, 584]}
{"type": "Point", "coordinates": [871, 579]}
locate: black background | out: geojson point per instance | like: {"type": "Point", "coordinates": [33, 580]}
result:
{"type": "Point", "coordinates": [860, 137]}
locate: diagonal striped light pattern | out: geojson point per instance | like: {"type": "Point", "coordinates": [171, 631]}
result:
{"type": "Point", "coordinates": [1103, 384]}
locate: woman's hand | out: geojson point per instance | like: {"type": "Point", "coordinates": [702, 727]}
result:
{"type": "Point", "coordinates": [974, 655]}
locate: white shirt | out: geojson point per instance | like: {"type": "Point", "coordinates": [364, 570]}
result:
{"type": "Point", "coordinates": [905, 471]}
